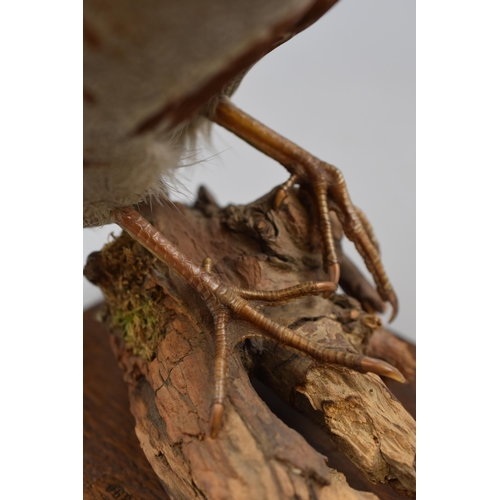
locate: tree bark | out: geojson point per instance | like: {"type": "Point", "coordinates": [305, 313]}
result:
{"type": "Point", "coordinates": [163, 340]}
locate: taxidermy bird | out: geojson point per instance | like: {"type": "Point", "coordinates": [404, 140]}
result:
{"type": "Point", "coordinates": [156, 72]}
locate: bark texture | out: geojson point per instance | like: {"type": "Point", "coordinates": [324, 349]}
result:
{"type": "Point", "coordinates": [163, 341]}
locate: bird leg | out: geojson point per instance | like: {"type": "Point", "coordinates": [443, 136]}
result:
{"type": "Point", "coordinates": [352, 280]}
{"type": "Point", "coordinates": [224, 300]}
{"type": "Point", "coordinates": [327, 185]}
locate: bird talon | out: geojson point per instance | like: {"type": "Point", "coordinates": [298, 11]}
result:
{"type": "Point", "coordinates": [222, 299]}
{"type": "Point", "coordinates": [393, 300]}
{"type": "Point", "coordinates": [279, 198]}
{"type": "Point", "coordinates": [282, 192]}
{"type": "Point", "coordinates": [327, 185]}
{"type": "Point", "coordinates": [216, 414]}
{"type": "Point", "coordinates": [382, 368]}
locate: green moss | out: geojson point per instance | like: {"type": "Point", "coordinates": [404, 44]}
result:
{"type": "Point", "coordinates": [136, 308]}
{"type": "Point", "coordinates": [140, 327]}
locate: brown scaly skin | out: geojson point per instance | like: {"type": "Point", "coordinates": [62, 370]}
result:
{"type": "Point", "coordinates": [223, 300]}
{"type": "Point", "coordinates": [327, 185]}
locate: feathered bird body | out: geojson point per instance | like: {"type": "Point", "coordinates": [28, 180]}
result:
{"type": "Point", "coordinates": [152, 69]}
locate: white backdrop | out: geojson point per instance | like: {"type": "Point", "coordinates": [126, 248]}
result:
{"type": "Point", "coordinates": [344, 90]}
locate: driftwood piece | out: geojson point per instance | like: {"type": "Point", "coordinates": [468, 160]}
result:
{"type": "Point", "coordinates": [114, 465]}
{"type": "Point", "coordinates": [163, 342]}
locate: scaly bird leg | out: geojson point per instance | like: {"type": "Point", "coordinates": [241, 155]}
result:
{"type": "Point", "coordinates": [328, 187]}
{"type": "Point", "coordinates": [223, 299]}
{"type": "Point", "coordinates": [356, 285]}
{"type": "Point", "coordinates": [221, 318]}
{"type": "Point", "coordinates": [352, 280]}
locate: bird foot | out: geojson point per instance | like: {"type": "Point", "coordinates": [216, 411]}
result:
{"type": "Point", "coordinates": [225, 301]}
{"type": "Point", "coordinates": [327, 186]}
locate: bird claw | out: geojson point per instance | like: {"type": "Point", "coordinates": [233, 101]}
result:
{"type": "Point", "coordinates": [225, 300]}
{"type": "Point", "coordinates": [325, 183]}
